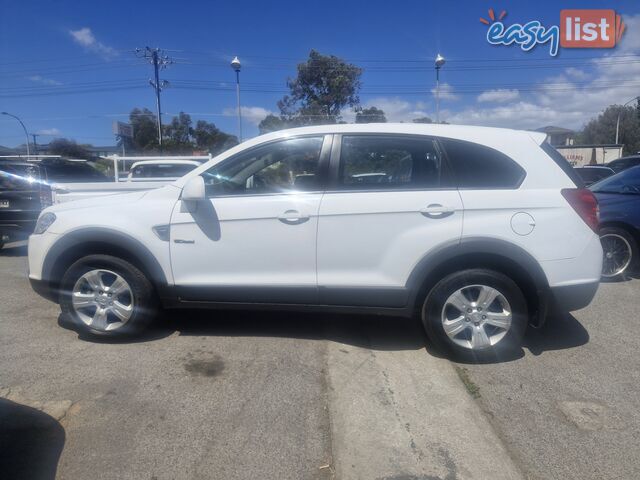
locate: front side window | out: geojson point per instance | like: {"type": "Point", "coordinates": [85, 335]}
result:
{"type": "Point", "coordinates": [279, 167]}
{"type": "Point", "coordinates": [480, 167]}
{"type": "Point", "coordinates": [389, 162]}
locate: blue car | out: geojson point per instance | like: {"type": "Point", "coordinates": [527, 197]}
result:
{"type": "Point", "coordinates": [619, 200]}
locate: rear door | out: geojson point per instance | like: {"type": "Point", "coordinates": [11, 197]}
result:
{"type": "Point", "coordinates": [391, 201]}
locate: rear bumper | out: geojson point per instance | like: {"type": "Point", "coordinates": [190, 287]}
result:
{"type": "Point", "coordinates": [573, 297]}
{"type": "Point", "coordinates": [43, 288]}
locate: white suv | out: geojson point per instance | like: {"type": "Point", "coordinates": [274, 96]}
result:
{"type": "Point", "coordinates": [480, 231]}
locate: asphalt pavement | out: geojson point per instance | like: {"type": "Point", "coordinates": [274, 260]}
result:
{"type": "Point", "coordinates": [241, 395]}
{"type": "Point", "coordinates": [569, 407]}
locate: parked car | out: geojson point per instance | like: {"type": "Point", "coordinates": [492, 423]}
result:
{"type": "Point", "coordinates": [591, 174]}
{"type": "Point", "coordinates": [619, 200]}
{"type": "Point", "coordinates": [153, 170]}
{"type": "Point", "coordinates": [23, 194]}
{"type": "Point", "coordinates": [623, 163]}
{"type": "Point", "coordinates": [479, 231]}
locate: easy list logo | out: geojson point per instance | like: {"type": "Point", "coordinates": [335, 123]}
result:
{"type": "Point", "coordinates": [577, 29]}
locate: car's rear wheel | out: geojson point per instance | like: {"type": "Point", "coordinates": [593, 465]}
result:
{"type": "Point", "coordinates": [107, 296]}
{"type": "Point", "coordinates": [619, 252]}
{"type": "Point", "coordinates": [476, 314]}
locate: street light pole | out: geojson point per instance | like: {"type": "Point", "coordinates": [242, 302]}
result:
{"type": "Point", "coordinates": [26, 134]}
{"type": "Point", "coordinates": [620, 113]}
{"type": "Point", "coordinates": [439, 63]}
{"type": "Point", "coordinates": [235, 64]}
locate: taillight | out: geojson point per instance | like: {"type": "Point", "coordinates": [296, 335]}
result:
{"type": "Point", "coordinates": [584, 202]}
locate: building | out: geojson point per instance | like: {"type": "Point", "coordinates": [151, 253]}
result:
{"type": "Point", "coordinates": [557, 136]}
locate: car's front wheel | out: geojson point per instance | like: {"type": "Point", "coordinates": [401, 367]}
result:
{"type": "Point", "coordinates": [107, 296]}
{"type": "Point", "coordinates": [476, 314]}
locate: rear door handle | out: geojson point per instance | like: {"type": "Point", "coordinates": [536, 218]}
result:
{"type": "Point", "coordinates": [436, 210]}
{"type": "Point", "coordinates": [293, 217]}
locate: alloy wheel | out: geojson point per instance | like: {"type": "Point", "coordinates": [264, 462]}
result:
{"type": "Point", "coordinates": [476, 317]}
{"type": "Point", "coordinates": [617, 254]}
{"type": "Point", "coordinates": [103, 300]}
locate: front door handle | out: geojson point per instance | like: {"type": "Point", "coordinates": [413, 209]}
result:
{"type": "Point", "coordinates": [436, 210]}
{"type": "Point", "coordinates": [293, 217]}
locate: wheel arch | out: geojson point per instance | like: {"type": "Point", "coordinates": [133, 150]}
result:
{"type": "Point", "coordinates": [489, 253]}
{"type": "Point", "coordinates": [75, 245]}
{"type": "Point", "coordinates": [633, 231]}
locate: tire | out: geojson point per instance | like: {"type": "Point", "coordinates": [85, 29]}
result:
{"type": "Point", "coordinates": [620, 252]}
{"type": "Point", "coordinates": [505, 306]}
{"type": "Point", "coordinates": [107, 296]}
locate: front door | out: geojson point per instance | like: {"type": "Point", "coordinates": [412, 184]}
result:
{"type": "Point", "coordinates": [254, 238]}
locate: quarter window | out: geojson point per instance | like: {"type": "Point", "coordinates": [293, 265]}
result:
{"type": "Point", "coordinates": [477, 166]}
{"type": "Point", "coordinates": [389, 162]}
{"type": "Point", "coordinates": [279, 167]}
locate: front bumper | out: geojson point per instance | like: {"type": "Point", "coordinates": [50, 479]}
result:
{"type": "Point", "coordinates": [568, 298]}
{"type": "Point", "coordinates": [44, 289]}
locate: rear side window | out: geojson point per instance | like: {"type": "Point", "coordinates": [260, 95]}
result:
{"type": "Point", "coordinates": [477, 166]}
{"type": "Point", "coordinates": [372, 162]}
{"type": "Point", "coordinates": [562, 162]}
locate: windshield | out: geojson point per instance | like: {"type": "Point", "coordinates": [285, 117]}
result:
{"type": "Point", "coordinates": [66, 171]}
{"type": "Point", "coordinates": [161, 170]}
{"type": "Point", "coordinates": [627, 181]}
{"type": "Point", "coordinates": [18, 177]}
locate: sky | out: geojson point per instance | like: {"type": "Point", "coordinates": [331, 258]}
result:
{"type": "Point", "coordinates": [69, 68]}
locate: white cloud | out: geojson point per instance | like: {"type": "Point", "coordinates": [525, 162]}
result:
{"type": "Point", "coordinates": [252, 114]}
{"type": "Point", "coordinates": [499, 95]}
{"type": "Point", "coordinates": [85, 38]}
{"type": "Point", "coordinates": [576, 73]}
{"type": "Point", "coordinates": [43, 80]}
{"type": "Point", "coordinates": [446, 92]}
{"type": "Point", "coordinates": [571, 98]}
{"type": "Point", "coordinates": [54, 132]}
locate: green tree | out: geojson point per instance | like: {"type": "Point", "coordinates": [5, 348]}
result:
{"type": "Point", "coordinates": [422, 120]}
{"type": "Point", "coordinates": [209, 137]}
{"type": "Point", "coordinates": [370, 115]}
{"type": "Point", "coordinates": [602, 129]}
{"type": "Point", "coordinates": [68, 148]}
{"type": "Point", "coordinates": [145, 129]}
{"type": "Point", "coordinates": [177, 134]}
{"type": "Point", "coordinates": [323, 86]}
{"type": "Point", "coordinates": [272, 123]}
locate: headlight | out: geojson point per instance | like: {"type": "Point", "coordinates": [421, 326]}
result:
{"type": "Point", "coordinates": [44, 222]}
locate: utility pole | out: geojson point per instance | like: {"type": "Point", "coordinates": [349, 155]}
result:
{"type": "Point", "coordinates": [35, 143]}
{"type": "Point", "coordinates": [159, 60]}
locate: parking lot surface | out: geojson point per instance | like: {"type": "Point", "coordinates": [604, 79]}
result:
{"type": "Point", "coordinates": [256, 395]}
{"type": "Point", "coordinates": [570, 407]}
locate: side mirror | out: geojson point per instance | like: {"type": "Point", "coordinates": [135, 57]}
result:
{"type": "Point", "coordinates": [194, 190]}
